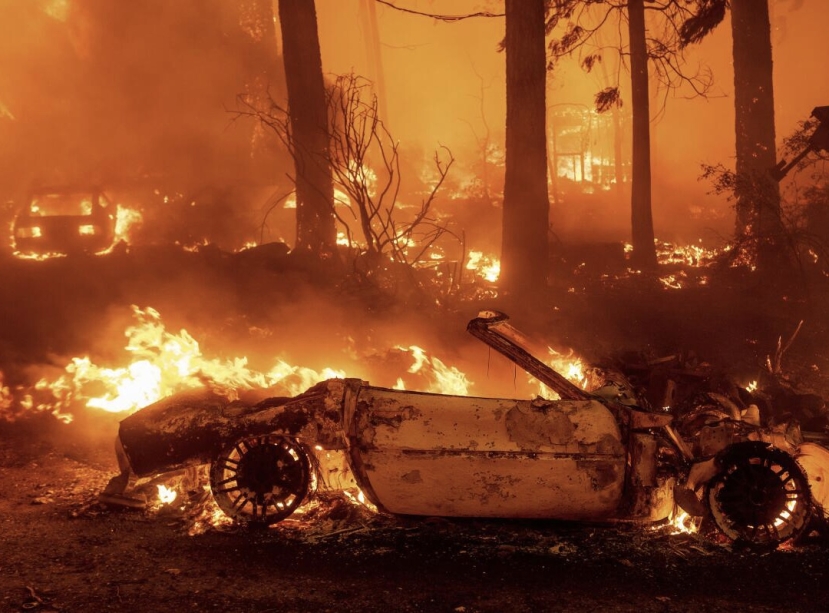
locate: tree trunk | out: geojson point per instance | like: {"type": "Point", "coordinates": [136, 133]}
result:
{"type": "Point", "coordinates": [524, 248]}
{"type": "Point", "coordinates": [758, 194]}
{"type": "Point", "coordinates": [644, 251]}
{"type": "Point", "coordinates": [316, 231]}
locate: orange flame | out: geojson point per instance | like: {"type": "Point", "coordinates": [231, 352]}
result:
{"type": "Point", "coordinates": [682, 523]}
{"type": "Point", "coordinates": [570, 366]}
{"type": "Point", "coordinates": [487, 267]}
{"type": "Point", "coordinates": [440, 378]}
{"type": "Point", "coordinates": [163, 363]}
{"type": "Point", "coordinates": [166, 495]}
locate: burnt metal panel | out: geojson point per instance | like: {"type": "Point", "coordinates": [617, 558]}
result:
{"type": "Point", "coordinates": [431, 454]}
{"type": "Point", "coordinates": [194, 427]}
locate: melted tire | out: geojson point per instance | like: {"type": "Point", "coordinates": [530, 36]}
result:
{"type": "Point", "coordinates": [261, 480]}
{"type": "Point", "coordinates": [760, 496]}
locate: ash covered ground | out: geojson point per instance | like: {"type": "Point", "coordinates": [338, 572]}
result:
{"type": "Point", "coordinates": [63, 551]}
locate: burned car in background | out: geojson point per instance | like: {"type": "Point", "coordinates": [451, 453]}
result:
{"type": "Point", "coordinates": [589, 456]}
{"type": "Point", "coordinates": [64, 221]}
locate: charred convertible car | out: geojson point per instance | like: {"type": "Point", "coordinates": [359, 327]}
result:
{"type": "Point", "coordinates": [585, 457]}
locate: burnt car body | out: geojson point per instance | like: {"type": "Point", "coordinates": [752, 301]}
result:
{"type": "Point", "coordinates": [585, 457]}
{"type": "Point", "coordinates": [65, 221]}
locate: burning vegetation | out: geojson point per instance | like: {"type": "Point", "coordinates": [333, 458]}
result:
{"type": "Point", "coordinates": [251, 253]}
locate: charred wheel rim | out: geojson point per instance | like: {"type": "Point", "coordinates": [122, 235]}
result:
{"type": "Point", "coordinates": [760, 496]}
{"type": "Point", "coordinates": [261, 480]}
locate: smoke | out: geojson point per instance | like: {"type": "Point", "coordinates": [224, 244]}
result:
{"type": "Point", "coordinates": [116, 93]}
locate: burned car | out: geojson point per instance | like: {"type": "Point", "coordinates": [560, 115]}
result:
{"type": "Point", "coordinates": [588, 456]}
{"type": "Point", "coordinates": [64, 221]}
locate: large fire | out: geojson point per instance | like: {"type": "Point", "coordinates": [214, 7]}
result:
{"type": "Point", "coordinates": [160, 362]}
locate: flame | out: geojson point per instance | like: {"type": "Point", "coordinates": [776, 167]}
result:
{"type": "Point", "coordinates": [751, 387]}
{"type": "Point", "coordinates": [162, 363]}
{"type": "Point", "coordinates": [359, 499]}
{"type": "Point", "coordinates": [786, 514]}
{"type": "Point", "coordinates": [166, 495]}
{"type": "Point", "coordinates": [570, 366]}
{"type": "Point", "coordinates": [485, 266]}
{"type": "Point", "coordinates": [682, 523]}
{"type": "Point", "coordinates": [442, 379]}
{"type": "Point", "coordinates": [208, 516]}
{"type": "Point", "coordinates": [125, 220]}
{"type": "Point", "coordinates": [341, 198]}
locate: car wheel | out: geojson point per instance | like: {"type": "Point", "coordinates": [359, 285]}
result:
{"type": "Point", "coordinates": [760, 496]}
{"type": "Point", "coordinates": [261, 479]}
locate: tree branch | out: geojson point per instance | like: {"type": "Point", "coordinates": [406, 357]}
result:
{"type": "Point", "coordinates": [436, 16]}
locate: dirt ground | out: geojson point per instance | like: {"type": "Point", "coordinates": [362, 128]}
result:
{"type": "Point", "coordinates": [60, 550]}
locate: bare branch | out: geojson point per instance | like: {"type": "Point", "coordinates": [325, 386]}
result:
{"type": "Point", "coordinates": [437, 16]}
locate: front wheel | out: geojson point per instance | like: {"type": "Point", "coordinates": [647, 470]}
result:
{"type": "Point", "coordinates": [261, 479]}
{"type": "Point", "coordinates": [760, 496]}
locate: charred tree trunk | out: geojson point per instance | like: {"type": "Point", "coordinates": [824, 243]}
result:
{"type": "Point", "coordinates": [524, 249]}
{"type": "Point", "coordinates": [644, 251]}
{"type": "Point", "coordinates": [316, 231]}
{"type": "Point", "coordinates": [758, 195]}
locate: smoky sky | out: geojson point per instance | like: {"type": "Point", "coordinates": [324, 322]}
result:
{"type": "Point", "coordinates": [95, 91]}
{"type": "Point", "coordinates": [121, 93]}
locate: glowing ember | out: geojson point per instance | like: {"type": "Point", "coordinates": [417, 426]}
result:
{"type": "Point", "coordinates": [5, 395]}
{"type": "Point", "coordinates": [786, 514]}
{"type": "Point", "coordinates": [208, 516]}
{"type": "Point", "coordinates": [751, 387]}
{"type": "Point", "coordinates": [688, 255]}
{"type": "Point", "coordinates": [671, 281]}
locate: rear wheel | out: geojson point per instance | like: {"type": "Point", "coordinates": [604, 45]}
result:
{"type": "Point", "coordinates": [261, 479]}
{"type": "Point", "coordinates": [760, 495]}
